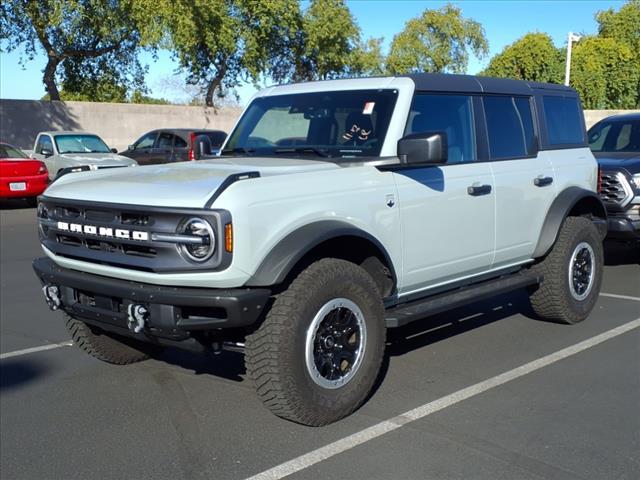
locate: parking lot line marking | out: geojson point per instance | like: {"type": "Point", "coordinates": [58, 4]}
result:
{"type": "Point", "coordinates": [41, 348]}
{"type": "Point", "coordinates": [623, 297]}
{"type": "Point", "coordinates": [323, 453]}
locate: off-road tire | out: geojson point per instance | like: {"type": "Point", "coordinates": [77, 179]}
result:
{"type": "Point", "coordinates": [552, 299]}
{"type": "Point", "coordinates": [275, 352]}
{"type": "Point", "coordinates": [106, 346]}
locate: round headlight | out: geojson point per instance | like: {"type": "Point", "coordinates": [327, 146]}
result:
{"type": "Point", "coordinates": [204, 240]}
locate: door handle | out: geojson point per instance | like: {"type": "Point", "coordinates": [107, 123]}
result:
{"type": "Point", "coordinates": [477, 190]}
{"type": "Point", "coordinates": [542, 181]}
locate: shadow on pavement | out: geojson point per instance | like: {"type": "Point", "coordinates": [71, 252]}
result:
{"type": "Point", "coordinates": [621, 253]}
{"type": "Point", "coordinates": [18, 372]}
{"type": "Point", "coordinates": [229, 365]}
{"type": "Point", "coordinates": [16, 203]}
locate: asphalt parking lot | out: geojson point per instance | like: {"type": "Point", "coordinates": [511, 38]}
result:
{"type": "Point", "coordinates": [573, 413]}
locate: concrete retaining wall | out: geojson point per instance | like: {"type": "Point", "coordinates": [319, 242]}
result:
{"type": "Point", "coordinates": [120, 124]}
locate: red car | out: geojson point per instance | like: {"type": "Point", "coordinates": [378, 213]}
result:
{"type": "Point", "coordinates": [21, 176]}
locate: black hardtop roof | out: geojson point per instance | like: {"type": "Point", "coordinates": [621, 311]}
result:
{"type": "Point", "coordinates": [445, 82]}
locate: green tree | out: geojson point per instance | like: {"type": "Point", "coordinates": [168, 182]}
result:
{"type": "Point", "coordinates": [220, 43]}
{"type": "Point", "coordinates": [329, 44]}
{"type": "Point", "coordinates": [81, 36]}
{"type": "Point", "coordinates": [532, 57]}
{"type": "Point", "coordinates": [437, 41]}
{"type": "Point", "coordinates": [605, 73]}
{"type": "Point", "coordinates": [623, 26]}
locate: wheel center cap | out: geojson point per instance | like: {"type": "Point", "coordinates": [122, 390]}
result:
{"type": "Point", "coordinates": [329, 342]}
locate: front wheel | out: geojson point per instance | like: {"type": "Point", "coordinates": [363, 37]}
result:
{"type": "Point", "coordinates": [572, 274]}
{"type": "Point", "coordinates": [316, 356]}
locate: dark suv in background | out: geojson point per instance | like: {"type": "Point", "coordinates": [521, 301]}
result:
{"type": "Point", "coordinates": [615, 142]}
{"type": "Point", "coordinates": [175, 145]}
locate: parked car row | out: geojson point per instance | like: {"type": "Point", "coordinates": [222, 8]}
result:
{"type": "Point", "coordinates": [56, 153]}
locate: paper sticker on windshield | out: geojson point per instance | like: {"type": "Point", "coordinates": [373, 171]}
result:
{"type": "Point", "coordinates": [368, 108]}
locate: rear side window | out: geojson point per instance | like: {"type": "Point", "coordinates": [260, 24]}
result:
{"type": "Point", "coordinates": [180, 142]}
{"type": "Point", "coordinates": [564, 120]}
{"type": "Point", "coordinates": [509, 127]}
{"type": "Point", "coordinates": [451, 114]}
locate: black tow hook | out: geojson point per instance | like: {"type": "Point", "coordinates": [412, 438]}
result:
{"type": "Point", "coordinates": [52, 296]}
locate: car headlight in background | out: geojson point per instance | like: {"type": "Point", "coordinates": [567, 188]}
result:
{"type": "Point", "coordinates": [635, 180]}
{"type": "Point", "coordinates": [204, 245]}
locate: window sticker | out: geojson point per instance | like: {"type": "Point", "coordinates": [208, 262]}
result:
{"type": "Point", "coordinates": [368, 108]}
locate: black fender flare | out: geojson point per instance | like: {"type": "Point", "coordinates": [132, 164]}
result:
{"type": "Point", "coordinates": [291, 249]}
{"type": "Point", "coordinates": [560, 209]}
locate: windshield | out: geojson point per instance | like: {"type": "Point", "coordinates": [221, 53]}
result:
{"type": "Point", "coordinates": [80, 144]}
{"type": "Point", "coordinates": [320, 124]}
{"type": "Point", "coordinates": [620, 136]}
{"type": "Point", "coordinates": [7, 151]}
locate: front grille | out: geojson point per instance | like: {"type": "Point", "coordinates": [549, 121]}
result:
{"type": "Point", "coordinates": [614, 188]}
{"type": "Point", "coordinates": [124, 236]}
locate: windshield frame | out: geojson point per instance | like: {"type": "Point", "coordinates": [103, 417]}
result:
{"type": "Point", "coordinates": [332, 152]}
{"type": "Point", "coordinates": [86, 135]}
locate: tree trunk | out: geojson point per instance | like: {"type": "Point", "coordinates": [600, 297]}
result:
{"type": "Point", "coordinates": [49, 78]}
{"type": "Point", "coordinates": [211, 90]}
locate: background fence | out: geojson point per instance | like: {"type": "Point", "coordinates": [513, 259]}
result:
{"type": "Point", "coordinates": [120, 124]}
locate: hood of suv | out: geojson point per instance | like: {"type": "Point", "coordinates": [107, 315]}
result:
{"type": "Point", "coordinates": [630, 161]}
{"type": "Point", "coordinates": [181, 184]}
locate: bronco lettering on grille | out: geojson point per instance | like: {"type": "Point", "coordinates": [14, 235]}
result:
{"type": "Point", "coordinates": [103, 231]}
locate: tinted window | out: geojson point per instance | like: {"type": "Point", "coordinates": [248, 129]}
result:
{"type": "Point", "coordinates": [509, 126]}
{"type": "Point", "coordinates": [451, 114]}
{"type": "Point", "coordinates": [618, 136]}
{"type": "Point", "coordinates": [7, 151]}
{"type": "Point", "coordinates": [165, 140]}
{"type": "Point", "coordinates": [180, 142]}
{"type": "Point", "coordinates": [146, 141]}
{"type": "Point", "coordinates": [564, 120]}
{"type": "Point", "coordinates": [44, 141]}
{"type": "Point", "coordinates": [217, 138]}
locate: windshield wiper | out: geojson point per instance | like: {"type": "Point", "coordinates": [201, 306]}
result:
{"type": "Point", "coordinates": [318, 151]}
{"type": "Point", "coordinates": [247, 151]}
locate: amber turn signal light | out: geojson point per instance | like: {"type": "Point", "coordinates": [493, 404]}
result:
{"type": "Point", "coordinates": [228, 237]}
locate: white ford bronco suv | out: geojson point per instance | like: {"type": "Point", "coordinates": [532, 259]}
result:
{"type": "Point", "coordinates": [337, 210]}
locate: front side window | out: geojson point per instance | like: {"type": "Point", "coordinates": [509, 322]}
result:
{"type": "Point", "coordinates": [509, 127]}
{"type": "Point", "coordinates": [564, 120]}
{"type": "Point", "coordinates": [340, 124]}
{"type": "Point", "coordinates": [146, 141]}
{"type": "Point", "coordinates": [80, 144]}
{"type": "Point", "coordinates": [451, 114]}
{"type": "Point", "coordinates": [615, 136]}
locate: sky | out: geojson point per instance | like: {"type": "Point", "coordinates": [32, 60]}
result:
{"type": "Point", "coordinates": [504, 21]}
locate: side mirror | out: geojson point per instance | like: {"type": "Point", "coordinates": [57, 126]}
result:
{"type": "Point", "coordinates": [131, 147]}
{"type": "Point", "coordinates": [46, 152]}
{"type": "Point", "coordinates": [114, 150]}
{"type": "Point", "coordinates": [428, 148]}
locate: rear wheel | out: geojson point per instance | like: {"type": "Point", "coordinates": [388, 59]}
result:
{"type": "Point", "coordinates": [315, 358]}
{"type": "Point", "coordinates": [572, 274]}
{"type": "Point", "coordinates": [108, 347]}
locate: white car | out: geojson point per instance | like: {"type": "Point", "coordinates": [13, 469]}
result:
{"type": "Point", "coordinates": [63, 152]}
{"type": "Point", "coordinates": [337, 210]}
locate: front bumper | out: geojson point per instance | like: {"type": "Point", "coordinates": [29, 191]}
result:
{"type": "Point", "coordinates": [173, 312]}
{"type": "Point", "coordinates": [623, 228]}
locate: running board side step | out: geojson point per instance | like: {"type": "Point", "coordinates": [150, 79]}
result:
{"type": "Point", "coordinates": [405, 313]}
